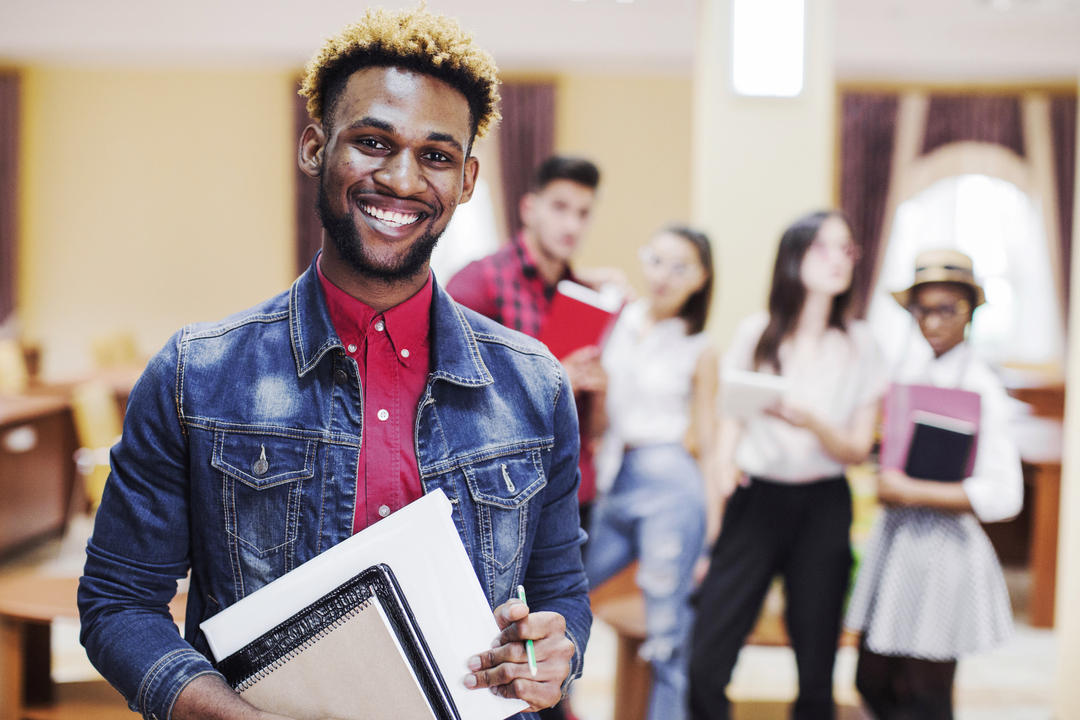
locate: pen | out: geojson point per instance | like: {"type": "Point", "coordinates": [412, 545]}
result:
{"type": "Point", "coordinates": [529, 649]}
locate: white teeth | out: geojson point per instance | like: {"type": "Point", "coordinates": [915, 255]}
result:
{"type": "Point", "coordinates": [390, 217]}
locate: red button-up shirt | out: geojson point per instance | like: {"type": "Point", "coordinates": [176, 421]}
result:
{"type": "Point", "coordinates": [392, 353]}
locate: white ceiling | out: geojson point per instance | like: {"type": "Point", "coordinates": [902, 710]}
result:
{"type": "Point", "coordinates": [905, 39]}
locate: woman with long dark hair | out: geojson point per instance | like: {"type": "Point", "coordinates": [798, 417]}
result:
{"type": "Point", "coordinates": [662, 376]}
{"type": "Point", "coordinates": [789, 511]}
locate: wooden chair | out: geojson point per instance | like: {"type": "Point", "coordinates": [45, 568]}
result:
{"type": "Point", "coordinates": [98, 427]}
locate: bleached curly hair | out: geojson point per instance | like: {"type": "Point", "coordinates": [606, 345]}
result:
{"type": "Point", "coordinates": [415, 39]}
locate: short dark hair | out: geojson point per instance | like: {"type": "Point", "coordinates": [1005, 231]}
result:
{"type": "Point", "coordinates": [561, 167]}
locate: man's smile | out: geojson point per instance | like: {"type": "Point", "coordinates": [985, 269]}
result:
{"type": "Point", "coordinates": [390, 217]}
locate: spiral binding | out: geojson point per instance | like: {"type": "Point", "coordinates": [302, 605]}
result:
{"type": "Point", "coordinates": [249, 682]}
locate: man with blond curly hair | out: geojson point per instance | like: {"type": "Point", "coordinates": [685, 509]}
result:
{"type": "Point", "coordinates": [253, 444]}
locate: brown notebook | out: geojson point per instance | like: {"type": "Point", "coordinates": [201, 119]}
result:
{"type": "Point", "coordinates": [355, 654]}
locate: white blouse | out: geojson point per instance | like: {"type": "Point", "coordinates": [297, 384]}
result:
{"type": "Point", "coordinates": [847, 373]}
{"type": "Point", "coordinates": [650, 384]}
{"type": "Point", "coordinates": [996, 489]}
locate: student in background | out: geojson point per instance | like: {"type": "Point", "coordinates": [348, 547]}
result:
{"type": "Point", "coordinates": [662, 377]}
{"type": "Point", "coordinates": [515, 285]}
{"type": "Point", "coordinates": [790, 512]}
{"type": "Point", "coordinates": [930, 589]}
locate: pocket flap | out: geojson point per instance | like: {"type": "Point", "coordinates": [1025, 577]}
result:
{"type": "Point", "coordinates": [262, 461]}
{"type": "Point", "coordinates": [506, 482]}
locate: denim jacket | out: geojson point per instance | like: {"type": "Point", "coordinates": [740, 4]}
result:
{"type": "Point", "coordinates": [496, 429]}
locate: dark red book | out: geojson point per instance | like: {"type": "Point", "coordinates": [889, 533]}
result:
{"type": "Point", "coordinates": [579, 316]}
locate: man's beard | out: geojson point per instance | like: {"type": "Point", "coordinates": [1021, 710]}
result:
{"type": "Point", "coordinates": [350, 247]}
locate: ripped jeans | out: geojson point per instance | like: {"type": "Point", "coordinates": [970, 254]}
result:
{"type": "Point", "coordinates": [655, 513]}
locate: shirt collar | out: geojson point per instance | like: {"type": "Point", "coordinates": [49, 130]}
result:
{"type": "Point", "coordinates": [528, 262]}
{"type": "Point", "coordinates": [406, 324]}
{"type": "Point", "coordinates": [455, 357]}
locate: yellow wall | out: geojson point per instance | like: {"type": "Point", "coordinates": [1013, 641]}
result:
{"type": "Point", "coordinates": [638, 131]}
{"type": "Point", "coordinates": [150, 200]}
{"type": "Point", "coordinates": [759, 163]}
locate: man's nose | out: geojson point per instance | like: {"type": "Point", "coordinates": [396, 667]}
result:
{"type": "Point", "coordinates": [401, 175]}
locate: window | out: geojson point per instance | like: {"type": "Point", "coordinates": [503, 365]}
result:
{"type": "Point", "coordinates": [767, 47]}
{"type": "Point", "coordinates": [1001, 229]}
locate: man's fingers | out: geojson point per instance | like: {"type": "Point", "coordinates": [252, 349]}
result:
{"type": "Point", "coordinates": [510, 612]}
{"type": "Point", "coordinates": [512, 653]}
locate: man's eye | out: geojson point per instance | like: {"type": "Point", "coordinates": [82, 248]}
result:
{"type": "Point", "coordinates": [438, 157]}
{"type": "Point", "coordinates": [373, 143]}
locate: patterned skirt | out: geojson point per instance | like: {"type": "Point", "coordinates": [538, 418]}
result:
{"type": "Point", "coordinates": [930, 587]}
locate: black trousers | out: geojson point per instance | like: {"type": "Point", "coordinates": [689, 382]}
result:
{"type": "Point", "coordinates": [801, 532]}
{"type": "Point", "coordinates": [904, 688]}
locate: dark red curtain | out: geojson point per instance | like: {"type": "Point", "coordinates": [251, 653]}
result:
{"type": "Point", "coordinates": [526, 139]}
{"type": "Point", "coordinates": [982, 118]}
{"type": "Point", "coordinates": [868, 129]}
{"type": "Point", "coordinates": [1063, 130]}
{"type": "Point", "coordinates": [9, 177]}
{"type": "Point", "coordinates": [308, 225]}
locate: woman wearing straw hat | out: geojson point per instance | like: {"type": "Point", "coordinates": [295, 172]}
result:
{"type": "Point", "coordinates": [930, 589]}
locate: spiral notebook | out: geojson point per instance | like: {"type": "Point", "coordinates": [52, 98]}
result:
{"type": "Point", "coordinates": [354, 654]}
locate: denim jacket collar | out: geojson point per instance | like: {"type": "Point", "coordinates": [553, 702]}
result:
{"type": "Point", "coordinates": [455, 356]}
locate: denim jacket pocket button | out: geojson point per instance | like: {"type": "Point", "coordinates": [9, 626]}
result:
{"type": "Point", "coordinates": [340, 377]}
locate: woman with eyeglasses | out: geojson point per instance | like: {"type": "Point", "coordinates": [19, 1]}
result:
{"type": "Point", "coordinates": [789, 510]}
{"type": "Point", "coordinates": [662, 377]}
{"type": "Point", "coordinates": [930, 589]}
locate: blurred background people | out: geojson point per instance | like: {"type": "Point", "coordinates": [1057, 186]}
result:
{"type": "Point", "coordinates": [930, 589]}
{"type": "Point", "coordinates": [515, 285]}
{"type": "Point", "coordinates": [790, 512]}
{"type": "Point", "coordinates": [662, 376]}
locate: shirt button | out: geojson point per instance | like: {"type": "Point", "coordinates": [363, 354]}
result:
{"type": "Point", "coordinates": [340, 377]}
{"type": "Point", "coordinates": [383, 415]}
{"type": "Point", "coordinates": [383, 511]}
{"type": "Point", "coordinates": [352, 348]}
{"type": "Point", "coordinates": [380, 326]}
{"type": "Point", "coordinates": [405, 352]}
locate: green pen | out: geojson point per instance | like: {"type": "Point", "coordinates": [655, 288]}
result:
{"type": "Point", "coordinates": [529, 649]}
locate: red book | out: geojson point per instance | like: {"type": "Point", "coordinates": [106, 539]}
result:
{"type": "Point", "coordinates": [906, 404]}
{"type": "Point", "coordinates": [578, 316]}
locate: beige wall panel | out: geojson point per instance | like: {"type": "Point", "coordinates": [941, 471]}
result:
{"type": "Point", "coordinates": [759, 163]}
{"type": "Point", "coordinates": [638, 130]}
{"type": "Point", "coordinates": [150, 200]}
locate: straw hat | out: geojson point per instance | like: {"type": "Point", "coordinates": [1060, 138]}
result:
{"type": "Point", "coordinates": [933, 266]}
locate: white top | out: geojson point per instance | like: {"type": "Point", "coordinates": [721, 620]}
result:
{"type": "Point", "coordinates": [847, 373]}
{"type": "Point", "coordinates": [996, 490]}
{"type": "Point", "coordinates": [650, 384]}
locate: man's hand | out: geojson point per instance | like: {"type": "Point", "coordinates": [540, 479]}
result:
{"type": "Point", "coordinates": [505, 668]}
{"type": "Point", "coordinates": [585, 371]}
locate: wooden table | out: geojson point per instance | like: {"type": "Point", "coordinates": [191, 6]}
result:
{"type": "Point", "coordinates": [37, 472]}
{"type": "Point", "coordinates": [1048, 402]}
{"type": "Point", "coordinates": [28, 606]}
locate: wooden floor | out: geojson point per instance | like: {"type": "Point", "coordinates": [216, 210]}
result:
{"type": "Point", "coordinates": [94, 700]}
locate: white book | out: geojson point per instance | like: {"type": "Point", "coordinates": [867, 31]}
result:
{"type": "Point", "coordinates": [422, 546]}
{"type": "Point", "coordinates": [744, 393]}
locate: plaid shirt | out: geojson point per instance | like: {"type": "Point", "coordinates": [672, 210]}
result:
{"type": "Point", "coordinates": [506, 286]}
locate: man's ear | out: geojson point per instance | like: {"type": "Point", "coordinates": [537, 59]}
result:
{"type": "Point", "coordinates": [468, 179]}
{"type": "Point", "coordinates": [310, 154]}
{"type": "Point", "coordinates": [525, 207]}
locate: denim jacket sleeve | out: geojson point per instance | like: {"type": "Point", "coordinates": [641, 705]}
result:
{"type": "Point", "coordinates": [555, 575]}
{"type": "Point", "coordinates": [140, 548]}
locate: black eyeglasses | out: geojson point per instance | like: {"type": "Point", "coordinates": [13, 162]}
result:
{"type": "Point", "coordinates": [947, 312]}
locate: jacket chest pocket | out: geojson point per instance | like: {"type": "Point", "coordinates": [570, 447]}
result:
{"type": "Point", "coordinates": [501, 489]}
{"type": "Point", "coordinates": [263, 480]}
